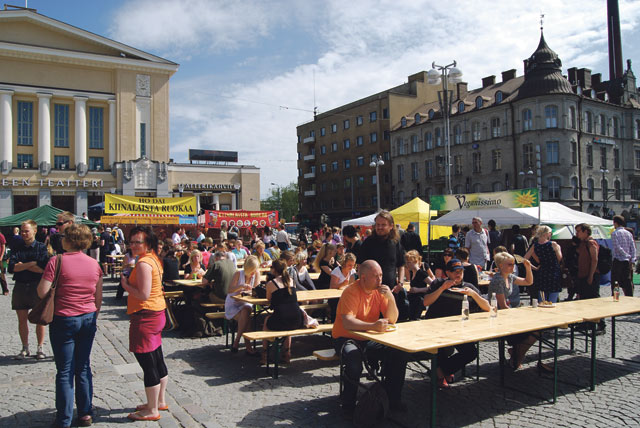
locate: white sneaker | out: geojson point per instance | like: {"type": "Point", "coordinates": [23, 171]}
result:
{"type": "Point", "coordinates": [22, 355]}
{"type": "Point", "coordinates": [40, 355]}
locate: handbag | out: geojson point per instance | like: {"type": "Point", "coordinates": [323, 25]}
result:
{"type": "Point", "coordinates": [42, 313]}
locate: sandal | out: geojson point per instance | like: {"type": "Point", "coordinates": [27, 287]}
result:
{"type": "Point", "coordinates": [442, 383]}
{"type": "Point", "coordinates": [144, 407]}
{"type": "Point", "coordinates": [135, 416]}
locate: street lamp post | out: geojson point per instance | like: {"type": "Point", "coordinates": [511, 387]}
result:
{"type": "Point", "coordinates": [279, 201]}
{"type": "Point", "coordinates": [522, 174]}
{"type": "Point", "coordinates": [445, 74]}
{"type": "Point", "coordinates": [377, 163]}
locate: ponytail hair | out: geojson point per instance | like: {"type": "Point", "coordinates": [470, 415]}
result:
{"type": "Point", "coordinates": [280, 266]}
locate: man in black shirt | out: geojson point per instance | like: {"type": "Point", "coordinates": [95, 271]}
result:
{"type": "Point", "coordinates": [65, 219]}
{"type": "Point", "coordinates": [351, 239]}
{"type": "Point", "coordinates": [444, 299]}
{"type": "Point", "coordinates": [384, 247]}
{"type": "Point", "coordinates": [410, 240]}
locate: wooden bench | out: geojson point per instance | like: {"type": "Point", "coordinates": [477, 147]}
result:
{"type": "Point", "coordinates": [276, 338]}
{"type": "Point", "coordinates": [170, 297]}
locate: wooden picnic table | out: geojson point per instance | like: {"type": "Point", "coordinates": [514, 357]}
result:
{"type": "Point", "coordinates": [303, 296]}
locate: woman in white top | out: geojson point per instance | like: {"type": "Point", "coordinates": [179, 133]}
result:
{"type": "Point", "coordinates": [301, 276]}
{"type": "Point", "coordinates": [243, 281]}
{"type": "Point", "coordinates": [341, 277]}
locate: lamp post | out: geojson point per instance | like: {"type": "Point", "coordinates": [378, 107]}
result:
{"type": "Point", "coordinates": [522, 174]}
{"type": "Point", "coordinates": [445, 74]}
{"type": "Point", "coordinates": [604, 190]}
{"type": "Point", "coordinates": [377, 163]}
{"type": "Point", "coordinates": [279, 201]}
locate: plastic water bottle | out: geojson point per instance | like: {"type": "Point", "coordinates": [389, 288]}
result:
{"type": "Point", "coordinates": [616, 292]}
{"type": "Point", "coordinates": [465, 308]}
{"type": "Point", "coordinates": [494, 305]}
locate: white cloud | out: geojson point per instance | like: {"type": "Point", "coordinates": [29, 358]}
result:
{"type": "Point", "coordinates": [368, 46]}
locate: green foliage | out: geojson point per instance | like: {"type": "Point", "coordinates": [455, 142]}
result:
{"type": "Point", "coordinates": [284, 200]}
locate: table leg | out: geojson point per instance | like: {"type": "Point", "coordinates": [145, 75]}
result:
{"type": "Point", "coordinates": [613, 337]}
{"type": "Point", "coordinates": [593, 356]}
{"type": "Point", "coordinates": [501, 359]}
{"type": "Point", "coordinates": [434, 387]}
{"type": "Point", "coordinates": [555, 364]}
{"type": "Point", "coordinates": [571, 346]}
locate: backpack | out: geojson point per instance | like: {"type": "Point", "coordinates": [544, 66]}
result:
{"type": "Point", "coordinates": [605, 260]}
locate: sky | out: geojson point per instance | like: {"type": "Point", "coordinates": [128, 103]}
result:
{"type": "Point", "coordinates": [251, 71]}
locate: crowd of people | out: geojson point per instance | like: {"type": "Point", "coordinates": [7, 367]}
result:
{"type": "Point", "coordinates": [381, 269]}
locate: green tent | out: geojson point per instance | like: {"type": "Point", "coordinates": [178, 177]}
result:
{"type": "Point", "coordinates": [45, 215]}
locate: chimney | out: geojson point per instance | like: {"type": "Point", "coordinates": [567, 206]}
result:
{"type": "Point", "coordinates": [526, 64]}
{"type": "Point", "coordinates": [462, 90]}
{"type": "Point", "coordinates": [508, 75]}
{"type": "Point", "coordinates": [615, 47]}
{"type": "Point", "coordinates": [596, 79]}
{"type": "Point", "coordinates": [584, 76]}
{"type": "Point", "coordinates": [573, 76]}
{"type": "Point", "coordinates": [488, 81]}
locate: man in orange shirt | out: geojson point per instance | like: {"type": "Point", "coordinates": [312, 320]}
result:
{"type": "Point", "coordinates": [358, 309]}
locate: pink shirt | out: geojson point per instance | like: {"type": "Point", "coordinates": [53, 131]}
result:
{"type": "Point", "coordinates": [75, 292]}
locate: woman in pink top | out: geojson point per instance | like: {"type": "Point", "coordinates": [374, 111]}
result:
{"type": "Point", "coordinates": [77, 303]}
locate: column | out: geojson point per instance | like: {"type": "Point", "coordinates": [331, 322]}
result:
{"type": "Point", "coordinates": [6, 131]}
{"type": "Point", "coordinates": [112, 132]}
{"type": "Point", "coordinates": [233, 201]}
{"type": "Point", "coordinates": [6, 202]}
{"type": "Point", "coordinates": [44, 197]}
{"type": "Point", "coordinates": [81, 135]}
{"type": "Point", "coordinates": [82, 202]}
{"type": "Point", "coordinates": [44, 132]}
{"type": "Point", "coordinates": [216, 201]}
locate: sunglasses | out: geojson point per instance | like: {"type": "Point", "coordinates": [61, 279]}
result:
{"type": "Point", "coordinates": [60, 223]}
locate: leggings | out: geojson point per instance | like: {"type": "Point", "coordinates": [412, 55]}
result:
{"type": "Point", "coordinates": [153, 366]}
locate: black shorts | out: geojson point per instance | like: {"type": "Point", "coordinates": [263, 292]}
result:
{"type": "Point", "coordinates": [25, 296]}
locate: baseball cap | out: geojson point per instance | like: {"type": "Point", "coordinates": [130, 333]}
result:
{"type": "Point", "coordinates": [453, 265]}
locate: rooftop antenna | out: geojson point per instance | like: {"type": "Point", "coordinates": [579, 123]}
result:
{"type": "Point", "coordinates": [315, 108]}
{"type": "Point", "coordinates": [541, 21]}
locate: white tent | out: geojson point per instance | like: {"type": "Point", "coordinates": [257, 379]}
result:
{"type": "Point", "coordinates": [551, 213]}
{"type": "Point", "coordinates": [368, 220]}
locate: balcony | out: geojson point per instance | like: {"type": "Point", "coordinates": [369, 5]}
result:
{"type": "Point", "coordinates": [310, 175]}
{"type": "Point", "coordinates": [309, 140]}
{"type": "Point", "coordinates": [309, 157]}
{"type": "Point", "coordinates": [309, 192]}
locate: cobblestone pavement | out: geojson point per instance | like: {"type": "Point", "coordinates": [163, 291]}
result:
{"type": "Point", "coordinates": [210, 387]}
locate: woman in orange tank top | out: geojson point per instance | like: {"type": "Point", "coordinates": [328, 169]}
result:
{"type": "Point", "coordinates": [146, 307]}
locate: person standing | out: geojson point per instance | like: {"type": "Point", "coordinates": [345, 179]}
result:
{"type": "Point", "coordinates": [351, 239]}
{"type": "Point", "coordinates": [495, 236]}
{"type": "Point", "coordinates": [65, 219]}
{"type": "Point", "coordinates": [27, 264]}
{"type": "Point", "coordinates": [77, 303]}
{"type": "Point", "coordinates": [282, 238]}
{"type": "Point", "coordinates": [548, 256]}
{"type": "Point", "coordinates": [477, 241]}
{"type": "Point", "coordinates": [384, 247]}
{"type": "Point", "coordinates": [453, 242]}
{"type": "Point", "coordinates": [3, 279]}
{"type": "Point", "coordinates": [410, 240]}
{"type": "Point", "coordinates": [519, 244]}
{"type": "Point", "coordinates": [588, 275]}
{"type": "Point", "coordinates": [624, 256]}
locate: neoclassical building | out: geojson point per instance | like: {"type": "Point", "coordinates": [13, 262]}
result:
{"type": "Point", "coordinates": [82, 115]}
{"type": "Point", "coordinates": [575, 137]}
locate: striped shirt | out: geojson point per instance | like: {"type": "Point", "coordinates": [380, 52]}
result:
{"type": "Point", "coordinates": [624, 249]}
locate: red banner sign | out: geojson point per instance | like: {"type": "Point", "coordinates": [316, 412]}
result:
{"type": "Point", "coordinates": [241, 218]}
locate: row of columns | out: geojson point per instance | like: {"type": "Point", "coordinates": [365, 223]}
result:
{"type": "Point", "coordinates": [44, 132]}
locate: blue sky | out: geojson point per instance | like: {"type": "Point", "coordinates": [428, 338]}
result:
{"type": "Point", "coordinates": [246, 76]}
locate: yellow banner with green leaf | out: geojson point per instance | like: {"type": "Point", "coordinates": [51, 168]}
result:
{"type": "Point", "coordinates": [521, 198]}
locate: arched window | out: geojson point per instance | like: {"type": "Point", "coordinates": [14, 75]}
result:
{"type": "Point", "coordinates": [527, 122]}
{"type": "Point", "coordinates": [602, 120]}
{"type": "Point", "coordinates": [616, 187]}
{"type": "Point", "coordinates": [590, 188]}
{"type": "Point", "coordinates": [478, 102]}
{"type": "Point", "coordinates": [551, 116]}
{"type": "Point", "coordinates": [499, 97]}
{"type": "Point", "coordinates": [416, 118]}
{"type": "Point", "coordinates": [495, 127]}
{"type": "Point", "coordinates": [497, 186]}
{"type": "Point", "coordinates": [460, 107]}
{"type": "Point", "coordinates": [432, 113]}
{"type": "Point", "coordinates": [588, 121]}
{"type": "Point", "coordinates": [574, 187]}
{"type": "Point", "coordinates": [428, 141]}
{"type": "Point", "coordinates": [438, 133]}
{"type": "Point", "coordinates": [403, 122]}
{"type": "Point", "coordinates": [457, 134]}
{"type": "Point", "coordinates": [475, 131]}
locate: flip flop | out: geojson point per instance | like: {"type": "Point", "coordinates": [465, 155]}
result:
{"type": "Point", "coordinates": [144, 406]}
{"type": "Point", "coordinates": [137, 417]}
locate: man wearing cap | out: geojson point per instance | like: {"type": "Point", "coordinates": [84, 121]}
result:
{"type": "Point", "coordinates": [444, 298]}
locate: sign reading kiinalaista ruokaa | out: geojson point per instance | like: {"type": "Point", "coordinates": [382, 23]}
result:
{"type": "Point", "coordinates": [521, 198]}
{"type": "Point", "coordinates": [118, 204]}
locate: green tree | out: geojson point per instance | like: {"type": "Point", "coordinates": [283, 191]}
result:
{"type": "Point", "coordinates": [284, 200]}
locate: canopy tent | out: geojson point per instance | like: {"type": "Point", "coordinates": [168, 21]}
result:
{"type": "Point", "coordinates": [367, 220]}
{"type": "Point", "coordinates": [46, 215]}
{"type": "Point", "coordinates": [418, 212]}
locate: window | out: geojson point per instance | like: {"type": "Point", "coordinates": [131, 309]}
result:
{"type": "Point", "coordinates": [590, 188]}
{"type": "Point", "coordinates": [495, 127]}
{"type": "Point", "coordinates": [25, 160]}
{"type": "Point", "coordinates": [553, 157]}
{"type": "Point", "coordinates": [603, 157]}
{"type": "Point", "coordinates": [346, 124]}
{"type": "Point", "coordinates": [638, 129]}
{"type": "Point", "coordinates": [616, 127]}
{"type": "Point", "coordinates": [477, 166]}
{"type": "Point", "coordinates": [96, 130]}
{"type": "Point", "coordinates": [373, 116]}
{"type": "Point", "coordinates": [323, 132]}
{"type": "Point", "coordinates": [572, 117]}
{"type": "Point", "coordinates": [602, 120]}
{"type": "Point", "coordinates": [551, 116]}
{"type": "Point", "coordinates": [334, 185]}
{"type": "Point", "coordinates": [312, 133]}
{"type": "Point", "coordinates": [400, 173]}
{"type": "Point", "coordinates": [386, 135]}
{"type": "Point", "coordinates": [347, 163]}
{"type": "Point", "coordinates": [477, 188]}
{"type": "Point", "coordinates": [374, 200]}
{"type": "Point", "coordinates": [346, 144]}
{"type": "Point", "coordinates": [498, 97]}
{"type": "Point", "coordinates": [360, 180]}
{"type": "Point", "coordinates": [635, 190]}
{"type": "Point", "coordinates": [460, 107]}
{"type": "Point", "coordinates": [25, 125]}
{"type": "Point", "coordinates": [553, 184]}
{"type": "Point", "coordinates": [347, 183]}
{"type": "Point", "coordinates": [604, 188]}
{"type": "Point", "coordinates": [323, 150]}
{"type": "Point", "coordinates": [574, 187]}
{"type": "Point", "coordinates": [616, 158]}
{"type": "Point", "coordinates": [478, 102]}
{"type": "Point", "coordinates": [374, 179]}
{"type": "Point", "coordinates": [496, 187]}
{"type": "Point", "coordinates": [143, 140]}
{"type": "Point", "coordinates": [431, 113]}
{"type": "Point", "coordinates": [360, 161]}
{"type": "Point", "coordinates": [417, 118]}
{"type": "Point", "coordinates": [457, 134]}
{"type": "Point", "coordinates": [399, 146]}
{"type": "Point", "coordinates": [589, 155]}
{"type": "Point", "coordinates": [323, 167]}
{"type": "Point", "coordinates": [400, 197]}
{"type": "Point", "coordinates": [96, 163]}
{"type": "Point", "coordinates": [403, 122]}
{"type": "Point", "coordinates": [475, 131]}
{"type": "Point", "coordinates": [334, 128]}
{"type": "Point", "coordinates": [373, 137]}
{"type": "Point", "coordinates": [60, 162]}
{"type": "Point", "coordinates": [334, 166]}
{"type": "Point", "coordinates": [527, 121]}
{"type": "Point", "coordinates": [527, 157]}
{"type": "Point", "coordinates": [414, 144]}
{"type": "Point", "coordinates": [359, 140]}
{"type": "Point", "coordinates": [637, 159]}
{"type": "Point", "coordinates": [359, 120]}
{"type": "Point", "coordinates": [428, 167]}
{"type": "Point", "coordinates": [438, 137]}
{"type": "Point", "coordinates": [574, 153]}
{"type": "Point", "coordinates": [385, 113]}
{"type": "Point", "coordinates": [414, 171]}
{"type": "Point", "coordinates": [334, 147]}
{"type": "Point", "coordinates": [588, 121]}
{"type": "Point", "coordinates": [457, 165]}
{"type": "Point", "coordinates": [616, 189]}
{"type": "Point", "coordinates": [496, 159]}
{"type": "Point", "coordinates": [61, 125]}
{"type": "Point", "coordinates": [323, 187]}
{"type": "Point", "coordinates": [428, 141]}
